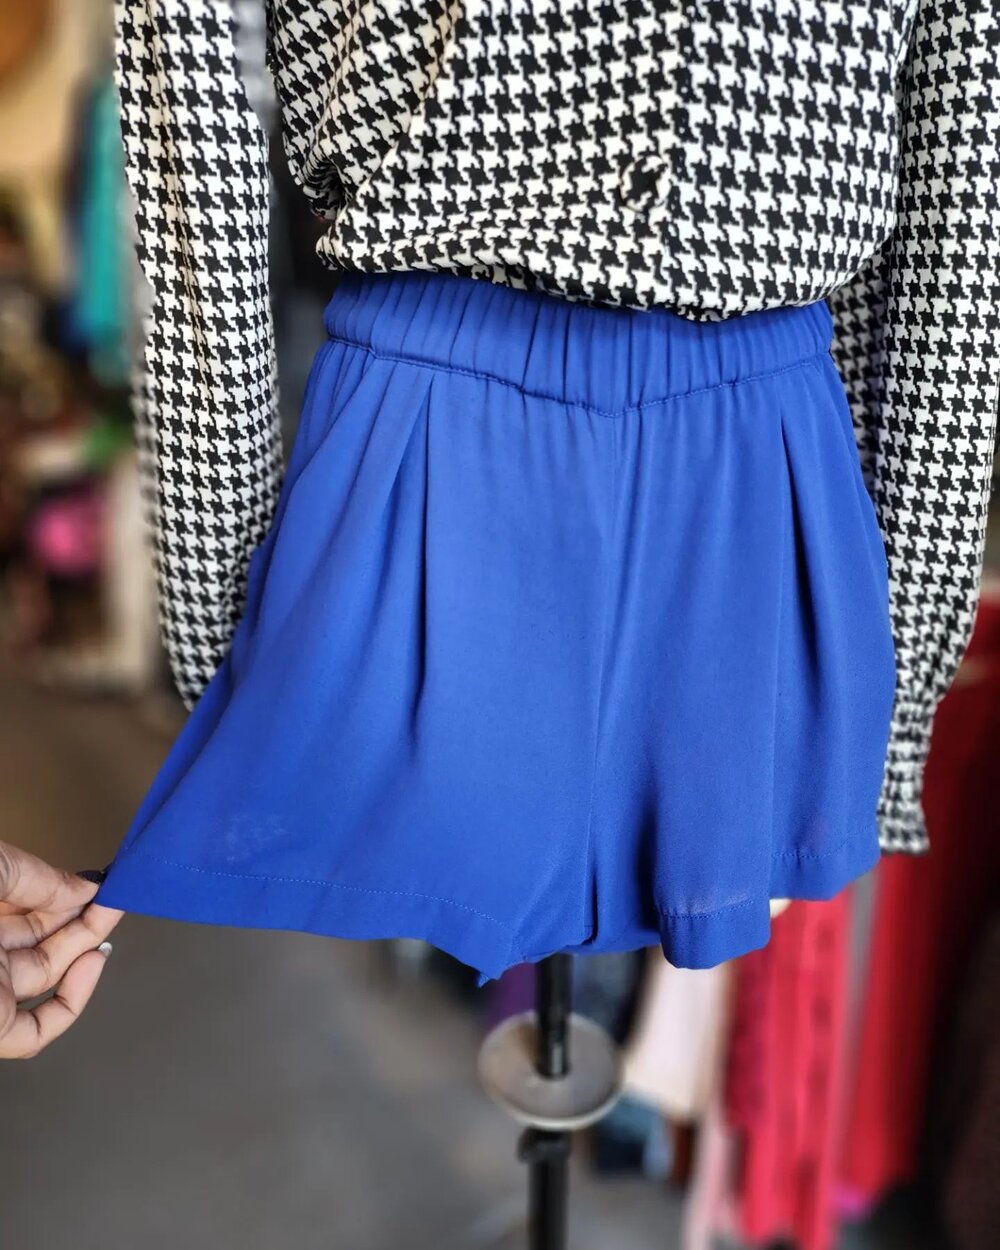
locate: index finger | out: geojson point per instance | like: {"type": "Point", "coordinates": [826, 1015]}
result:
{"type": "Point", "coordinates": [32, 1030]}
{"type": "Point", "coordinates": [30, 883]}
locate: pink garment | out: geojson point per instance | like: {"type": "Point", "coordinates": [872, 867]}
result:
{"type": "Point", "coordinates": [711, 1209]}
{"type": "Point", "coordinates": [785, 1074]}
{"type": "Point", "coordinates": [672, 1055]}
{"type": "Point", "coordinates": [65, 534]}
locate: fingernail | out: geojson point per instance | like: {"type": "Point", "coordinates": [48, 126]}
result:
{"type": "Point", "coordinates": [105, 948]}
{"type": "Point", "coordinates": [94, 875]}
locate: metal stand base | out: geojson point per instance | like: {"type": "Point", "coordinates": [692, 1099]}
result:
{"type": "Point", "coordinates": [508, 1070]}
{"type": "Point", "coordinates": [524, 1065]}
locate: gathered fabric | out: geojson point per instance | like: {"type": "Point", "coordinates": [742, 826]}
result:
{"type": "Point", "coordinates": [571, 632]}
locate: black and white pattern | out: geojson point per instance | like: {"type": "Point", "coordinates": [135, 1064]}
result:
{"type": "Point", "coordinates": [918, 330]}
{"type": "Point", "coordinates": [196, 159]}
{"type": "Point", "coordinates": [712, 156]}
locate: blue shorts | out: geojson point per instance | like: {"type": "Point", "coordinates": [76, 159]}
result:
{"type": "Point", "coordinates": [571, 632]}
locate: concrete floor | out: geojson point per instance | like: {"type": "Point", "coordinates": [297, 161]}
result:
{"type": "Point", "coordinates": [254, 1091]}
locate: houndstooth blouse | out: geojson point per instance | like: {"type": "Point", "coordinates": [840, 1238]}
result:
{"type": "Point", "coordinates": [710, 156]}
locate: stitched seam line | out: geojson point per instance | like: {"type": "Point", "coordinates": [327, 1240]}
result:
{"type": "Point", "coordinates": [793, 854]}
{"type": "Point", "coordinates": [703, 915]}
{"type": "Point", "coordinates": [337, 885]}
{"type": "Point", "coordinates": [422, 363]}
{"type": "Point", "coordinates": [433, 898]}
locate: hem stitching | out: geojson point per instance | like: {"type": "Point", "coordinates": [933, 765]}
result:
{"type": "Point", "coordinates": [336, 885]}
{"type": "Point", "coordinates": [433, 898]}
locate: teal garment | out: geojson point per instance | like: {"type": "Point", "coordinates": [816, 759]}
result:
{"type": "Point", "coordinates": [99, 308]}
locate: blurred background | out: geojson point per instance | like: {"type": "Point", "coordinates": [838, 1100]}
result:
{"type": "Point", "coordinates": [246, 1090]}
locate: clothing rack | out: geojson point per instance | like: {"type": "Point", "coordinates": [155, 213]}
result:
{"type": "Point", "coordinates": [555, 1072]}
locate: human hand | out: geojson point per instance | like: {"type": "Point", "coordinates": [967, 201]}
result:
{"type": "Point", "coordinates": [51, 937]}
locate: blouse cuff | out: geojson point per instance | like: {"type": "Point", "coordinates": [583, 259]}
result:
{"type": "Point", "coordinates": [902, 826]}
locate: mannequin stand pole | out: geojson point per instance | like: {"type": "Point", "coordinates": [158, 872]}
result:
{"type": "Point", "coordinates": [555, 1072]}
{"type": "Point", "coordinates": [547, 1153]}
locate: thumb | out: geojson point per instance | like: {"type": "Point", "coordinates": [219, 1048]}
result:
{"type": "Point", "coordinates": [31, 884]}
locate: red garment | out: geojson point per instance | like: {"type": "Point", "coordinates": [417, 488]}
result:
{"type": "Point", "coordinates": [784, 1074]}
{"type": "Point", "coordinates": [928, 913]}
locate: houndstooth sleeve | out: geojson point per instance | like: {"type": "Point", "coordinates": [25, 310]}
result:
{"type": "Point", "coordinates": [918, 344]}
{"type": "Point", "coordinates": [196, 161]}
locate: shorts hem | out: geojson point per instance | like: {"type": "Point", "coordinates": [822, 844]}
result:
{"type": "Point", "coordinates": [698, 940]}
{"type": "Point", "coordinates": [148, 885]}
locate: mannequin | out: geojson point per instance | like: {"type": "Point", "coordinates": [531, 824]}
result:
{"type": "Point", "coordinates": [383, 151]}
{"type": "Point", "coordinates": [471, 671]}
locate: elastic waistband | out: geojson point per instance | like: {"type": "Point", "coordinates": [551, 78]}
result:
{"type": "Point", "coordinates": [600, 357]}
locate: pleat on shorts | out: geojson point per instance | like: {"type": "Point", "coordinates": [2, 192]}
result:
{"type": "Point", "coordinates": [571, 632]}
